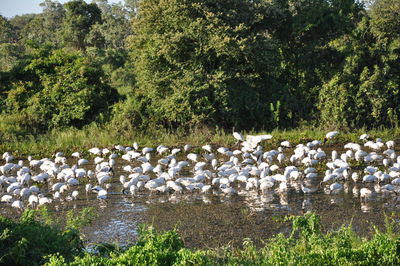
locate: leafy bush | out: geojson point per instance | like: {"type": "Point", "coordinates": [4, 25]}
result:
{"type": "Point", "coordinates": [152, 248]}
{"type": "Point", "coordinates": [28, 241]}
{"type": "Point", "coordinates": [53, 89]}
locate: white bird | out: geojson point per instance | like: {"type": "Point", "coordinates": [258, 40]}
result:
{"type": "Point", "coordinates": [6, 154]}
{"type": "Point", "coordinates": [175, 151]}
{"type": "Point", "coordinates": [133, 189]}
{"type": "Point", "coordinates": [365, 193]}
{"type": "Point", "coordinates": [75, 194]}
{"type": "Point", "coordinates": [187, 148]}
{"type": "Point", "coordinates": [98, 160]}
{"type": "Point", "coordinates": [285, 144]}
{"type": "Point", "coordinates": [334, 155]}
{"type": "Point", "coordinates": [105, 151]}
{"type": "Point", "coordinates": [82, 162]}
{"type": "Point", "coordinates": [135, 146]}
{"type": "Point", "coordinates": [207, 148]}
{"type": "Point", "coordinates": [44, 200]}
{"type": "Point", "coordinates": [364, 137]}
{"type": "Point", "coordinates": [17, 204]}
{"type": "Point", "coordinates": [88, 188]}
{"type": "Point", "coordinates": [336, 188]}
{"type": "Point", "coordinates": [73, 181]}
{"type": "Point", "coordinates": [147, 167]}
{"type": "Point", "coordinates": [33, 200]}
{"type": "Point", "coordinates": [330, 135]}
{"type": "Point", "coordinates": [193, 157]}
{"type": "Point", "coordinates": [255, 140]}
{"type": "Point", "coordinates": [307, 190]}
{"type": "Point", "coordinates": [102, 194]}
{"type": "Point", "coordinates": [238, 136]}
{"type": "Point", "coordinates": [102, 177]}
{"type": "Point", "coordinates": [146, 150]}
{"type": "Point", "coordinates": [95, 151]}
{"type": "Point", "coordinates": [6, 198]}
{"type": "Point", "coordinates": [390, 144]}
{"type": "Point", "coordinates": [370, 178]}
{"type": "Point", "coordinates": [206, 188]}
{"type": "Point", "coordinates": [280, 157]}
{"type": "Point", "coordinates": [162, 149]}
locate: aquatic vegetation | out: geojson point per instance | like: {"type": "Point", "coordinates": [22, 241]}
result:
{"type": "Point", "coordinates": [306, 245]}
{"type": "Point", "coordinates": [29, 241]}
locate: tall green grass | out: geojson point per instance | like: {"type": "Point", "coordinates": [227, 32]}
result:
{"type": "Point", "coordinates": [72, 139]}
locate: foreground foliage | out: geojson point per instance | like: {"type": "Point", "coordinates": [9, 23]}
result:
{"type": "Point", "coordinates": [306, 245]}
{"type": "Point", "coordinates": [30, 242]}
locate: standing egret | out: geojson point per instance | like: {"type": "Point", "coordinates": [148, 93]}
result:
{"type": "Point", "coordinates": [330, 135]}
{"type": "Point", "coordinates": [239, 137]}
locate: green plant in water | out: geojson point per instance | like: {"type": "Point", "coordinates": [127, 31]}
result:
{"type": "Point", "coordinates": [306, 245]}
{"type": "Point", "coordinates": [77, 220]}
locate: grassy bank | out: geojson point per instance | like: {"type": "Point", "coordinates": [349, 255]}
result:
{"type": "Point", "coordinates": [28, 240]}
{"type": "Point", "coordinates": [70, 140]}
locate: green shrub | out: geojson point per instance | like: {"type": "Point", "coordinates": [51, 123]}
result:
{"type": "Point", "coordinates": [28, 242]}
{"type": "Point", "coordinates": [54, 89]}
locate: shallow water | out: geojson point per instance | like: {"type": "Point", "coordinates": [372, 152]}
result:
{"type": "Point", "coordinates": [213, 220]}
{"type": "Point", "coordinates": [216, 220]}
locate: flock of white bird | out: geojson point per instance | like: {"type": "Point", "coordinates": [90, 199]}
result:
{"type": "Point", "coordinates": [372, 165]}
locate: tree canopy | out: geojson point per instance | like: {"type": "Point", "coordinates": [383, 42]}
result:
{"type": "Point", "coordinates": [184, 63]}
{"type": "Point", "coordinates": [204, 62]}
{"type": "Point", "coordinates": [56, 89]}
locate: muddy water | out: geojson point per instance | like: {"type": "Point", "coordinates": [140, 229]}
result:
{"type": "Point", "coordinates": [230, 220]}
{"type": "Point", "coordinates": [208, 221]}
{"type": "Point", "coordinates": [216, 220]}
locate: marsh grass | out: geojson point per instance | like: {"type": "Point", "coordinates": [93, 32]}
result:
{"type": "Point", "coordinates": [96, 135]}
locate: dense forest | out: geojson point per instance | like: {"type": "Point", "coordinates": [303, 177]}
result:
{"type": "Point", "coordinates": [178, 64]}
